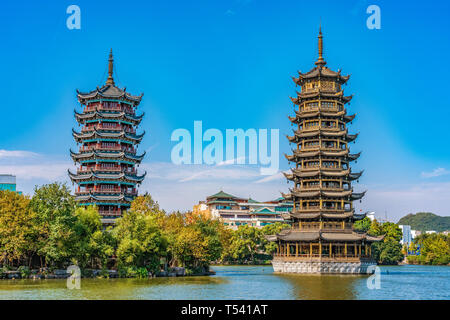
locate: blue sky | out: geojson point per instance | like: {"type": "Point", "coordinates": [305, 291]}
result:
{"type": "Point", "coordinates": [229, 64]}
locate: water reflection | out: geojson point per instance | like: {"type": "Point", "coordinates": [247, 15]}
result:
{"type": "Point", "coordinates": [324, 287]}
{"type": "Point", "coordinates": [246, 282]}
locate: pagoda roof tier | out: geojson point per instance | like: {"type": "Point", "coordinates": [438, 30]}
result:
{"type": "Point", "coordinates": [106, 155]}
{"type": "Point", "coordinates": [103, 176]}
{"type": "Point", "coordinates": [298, 235]}
{"type": "Point", "coordinates": [299, 193]}
{"type": "Point", "coordinates": [301, 134]}
{"type": "Point", "coordinates": [319, 94]}
{"type": "Point", "coordinates": [96, 115]}
{"type": "Point", "coordinates": [108, 91]}
{"type": "Point", "coordinates": [298, 154]}
{"type": "Point", "coordinates": [116, 198]}
{"type": "Point", "coordinates": [323, 172]}
{"type": "Point", "coordinates": [94, 134]}
{"type": "Point", "coordinates": [315, 114]}
{"type": "Point", "coordinates": [320, 72]}
{"type": "Point", "coordinates": [328, 215]}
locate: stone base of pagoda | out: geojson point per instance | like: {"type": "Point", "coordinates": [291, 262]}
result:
{"type": "Point", "coordinates": [327, 266]}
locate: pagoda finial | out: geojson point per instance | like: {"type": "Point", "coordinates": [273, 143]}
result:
{"type": "Point", "coordinates": [320, 61]}
{"type": "Point", "coordinates": [110, 79]}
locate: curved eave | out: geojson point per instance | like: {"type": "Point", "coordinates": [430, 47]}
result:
{"type": "Point", "coordinates": [358, 196]}
{"type": "Point", "coordinates": [91, 196]}
{"type": "Point", "coordinates": [354, 156]}
{"type": "Point", "coordinates": [321, 94]}
{"type": "Point", "coordinates": [105, 155]}
{"type": "Point", "coordinates": [320, 72]}
{"type": "Point", "coordinates": [81, 117]}
{"type": "Point", "coordinates": [113, 135]}
{"type": "Point", "coordinates": [107, 177]}
{"type": "Point", "coordinates": [349, 118]}
{"type": "Point", "coordinates": [109, 92]}
{"type": "Point", "coordinates": [356, 175]}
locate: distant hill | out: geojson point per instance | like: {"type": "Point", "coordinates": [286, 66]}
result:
{"type": "Point", "coordinates": [425, 221]}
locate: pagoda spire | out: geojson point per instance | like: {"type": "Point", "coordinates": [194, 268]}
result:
{"type": "Point", "coordinates": [320, 61]}
{"type": "Point", "coordinates": [110, 79]}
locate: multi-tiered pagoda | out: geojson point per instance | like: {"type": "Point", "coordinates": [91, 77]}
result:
{"type": "Point", "coordinates": [321, 238]}
{"type": "Point", "coordinates": [107, 176]}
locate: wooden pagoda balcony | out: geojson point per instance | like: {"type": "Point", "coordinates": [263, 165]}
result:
{"type": "Point", "coordinates": [326, 188]}
{"type": "Point", "coordinates": [325, 226]}
{"type": "Point", "coordinates": [116, 127]}
{"type": "Point", "coordinates": [107, 148]}
{"type": "Point", "coordinates": [106, 191]}
{"type": "Point", "coordinates": [110, 212]}
{"type": "Point", "coordinates": [323, 257]}
{"type": "Point", "coordinates": [309, 209]}
{"type": "Point", "coordinates": [101, 168]}
{"type": "Point", "coordinates": [115, 107]}
{"type": "Point", "coordinates": [321, 108]}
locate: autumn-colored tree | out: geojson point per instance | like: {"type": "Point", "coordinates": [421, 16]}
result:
{"type": "Point", "coordinates": [17, 232]}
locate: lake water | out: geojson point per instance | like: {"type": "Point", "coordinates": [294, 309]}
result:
{"type": "Point", "coordinates": [246, 282]}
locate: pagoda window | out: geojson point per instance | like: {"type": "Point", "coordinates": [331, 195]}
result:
{"type": "Point", "coordinates": [328, 105]}
{"type": "Point", "coordinates": [328, 124]}
{"type": "Point", "coordinates": [312, 105]}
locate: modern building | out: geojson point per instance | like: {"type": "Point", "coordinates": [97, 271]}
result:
{"type": "Point", "coordinates": [8, 182]}
{"type": "Point", "coordinates": [415, 233]}
{"type": "Point", "coordinates": [407, 235]}
{"type": "Point", "coordinates": [107, 158]}
{"type": "Point", "coordinates": [371, 215]}
{"type": "Point", "coordinates": [321, 238]}
{"type": "Point", "coordinates": [235, 211]}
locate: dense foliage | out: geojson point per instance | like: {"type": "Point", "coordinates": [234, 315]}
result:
{"type": "Point", "coordinates": [49, 231]}
{"type": "Point", "coordinates": [389, 250]}
{"type": "Point", "coordinates": [434, 249]}
{"type": "Point", "coordinates": [425, 221]}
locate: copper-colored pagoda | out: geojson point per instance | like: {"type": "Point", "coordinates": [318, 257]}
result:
{"type": "Point", "coordinates": [321, 238]}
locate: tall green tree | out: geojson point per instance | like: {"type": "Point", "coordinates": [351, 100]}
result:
{"type": "Point", "coordinates": [140, 242]}
{"type": "Point", "coordinates": [54, 219]}
{"type": "Point", "coordinates": [92, 246]}
{"type": "Point", "coordinates": [389, 250]}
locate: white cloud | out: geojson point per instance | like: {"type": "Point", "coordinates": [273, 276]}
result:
{"type": "Point", "coordinates": [399, 200]}
{"type": "Point", "coordinates": [276, 176]}
{"type": "Point", "coordinates": [435, 173]}
{"type": "Point", "coordinates": [16, 154]}
{"type": "Point", "coordinates": [33, 169]}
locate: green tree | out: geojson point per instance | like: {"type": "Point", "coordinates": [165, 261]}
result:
{"type": "Point", "coordinates": [54, 219]}
{"type": "Point", "coordinates": [140, 242]}
{"type": "Point", "coordinates": [271, 229]}
{"type": "Point", "coordinates": [363, 225]}
{"type": "Point", "coordinates": [245, 243]}
{"type": "Point", "coordinates": [389, 250]}
{"type": "Point", "coordinates": [434, 249]}
{"type": "Point", "coordinates": [92, 246]}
